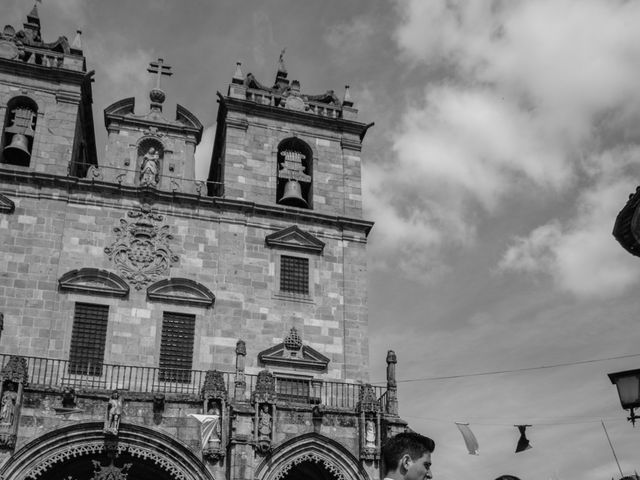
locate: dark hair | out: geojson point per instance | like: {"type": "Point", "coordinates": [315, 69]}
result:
{"type": "Point", "coordinates": [411, 443]}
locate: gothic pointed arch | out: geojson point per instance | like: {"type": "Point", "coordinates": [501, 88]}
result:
{"type": "Point", "coordinates": [181, 291]}
{"type": "Point", "coordinates": [75, 449]}
{"type": "Point", "coordinates": [93, 281]}
{"type": "Point", "coordinates": [311, 450]}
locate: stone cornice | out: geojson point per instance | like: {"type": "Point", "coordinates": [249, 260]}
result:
{"type": "Point", "coordinates": [74, 185]}
{"type": "Point", "coordinates": [41, 72]}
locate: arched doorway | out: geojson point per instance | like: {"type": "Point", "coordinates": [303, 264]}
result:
{"type": "Point", "coordinates": [311, 457]}
{"type": "Point", "coordinates": [83, 452]}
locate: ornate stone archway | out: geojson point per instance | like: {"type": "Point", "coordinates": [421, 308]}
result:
{"type": "Point", "coordinates": [311, 448]}
{"type": "Point", "coordinates": [150, 450]}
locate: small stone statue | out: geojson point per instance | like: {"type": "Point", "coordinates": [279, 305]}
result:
{"type": "Point", "coordinates": [370, 434]}
{"type": "Point", "coordinates": [214, 437]}
{"type": "Point", "coordinates": [114, 412]}
{"type": "Point", "coordinates": [8, 410]}
{"type": "Point", "coordinates": [149, 169]}
{"type": "Point", "coordinates": [264, 424]}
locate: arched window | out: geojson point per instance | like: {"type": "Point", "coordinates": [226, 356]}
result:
{"type": "Point", "coordinates": [295, 159]}
{"type": "Point", "coordinates": [18, 131]}
{"type": "Point", "coordinates": [150, 155]}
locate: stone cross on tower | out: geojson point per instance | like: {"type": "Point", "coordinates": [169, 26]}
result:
{"type": "Point", "coordinates": [156, 94]}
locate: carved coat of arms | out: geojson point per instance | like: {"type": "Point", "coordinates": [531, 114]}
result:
{"type": "Point", "coordinates": [141, 251]}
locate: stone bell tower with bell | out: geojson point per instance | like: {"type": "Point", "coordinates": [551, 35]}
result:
{"type": "Point", "coordinates": [45, 102]}
{"type": "Point", "coordinates": [279, 146]}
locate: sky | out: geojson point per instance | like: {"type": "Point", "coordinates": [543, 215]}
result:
{"type": "Point", "coordinates": [506, 140]}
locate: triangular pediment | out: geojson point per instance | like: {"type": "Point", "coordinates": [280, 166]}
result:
{"type": "Point", "coordinates": [181, 291]}
{"type": "Point", "coordinates": [305, 358]}
{"type": "Point", "coordinates": [93, 281]}
{"type": "Point", "coordinates": [295, 239]}
{"type": "Point", "coordinates": [6, 204]}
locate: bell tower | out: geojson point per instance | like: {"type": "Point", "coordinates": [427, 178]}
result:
{"type": "Point", "coordinates": [280, 146]}
{"type": "Point", "coordinates": [45, 102]}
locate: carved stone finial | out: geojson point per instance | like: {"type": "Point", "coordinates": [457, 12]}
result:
{"type": "Point", "coordinates": [367, 401]}
{"type": "Point", "coordinates": [238, 76]}
{"type": "Point", "coordinates": [293, 341]}
{"type": "Point", "coordinates": [241, 347]}
{"type": "Point", "coordinates": [214, 385]}
{"type": "Point", "coordinates": [15, 370]}
{"type": "Point", "coordinates": [265, 389]}
{"type": "Point", "coordinates": [346, 101]}
{"type": "Point", "coordinates": [77, 41]}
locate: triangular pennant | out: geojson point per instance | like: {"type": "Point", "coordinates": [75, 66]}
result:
{"type": "Point", "coordinates": [523, 441]}
{"type": "Point", "coordinates": [469, 438]}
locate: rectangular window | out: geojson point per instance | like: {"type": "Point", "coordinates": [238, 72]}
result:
{"type": "Point", "coordinates": [88, 337]}
{"type": "Point", "coordinates": [176, 347]}
{"type": "Point", "coordinates": [296, 390]}
{"type": "Point", "coordinates": [294, 275]}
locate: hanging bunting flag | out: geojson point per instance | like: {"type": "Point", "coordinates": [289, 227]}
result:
{"type": "Point", "coordinates": [469, 438]}
{"type": "Point", "coordinates": [523, 442]}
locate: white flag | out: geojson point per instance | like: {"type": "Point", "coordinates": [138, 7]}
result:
{"type": "Point", "coordinates": [469, 438]}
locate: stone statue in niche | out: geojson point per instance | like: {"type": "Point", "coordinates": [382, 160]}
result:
{"type": "Point", "coordinates": [149, 174]}
{"type": "Point", "coordinates": [8, 409]}
{"type": "Point", "coordinates": [264, 424]}
{"type": "Point", "coordinates": [213, 409]}
{"type": "Point", "coordinates": [370, 434]}
{"type": "Point", "coordinates": [113, 415]}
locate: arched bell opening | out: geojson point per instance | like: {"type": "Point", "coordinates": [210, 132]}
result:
{"type": "Point", "coordinates": [294, 176]}
{"type": "Point", "coordinates": [19, 131]}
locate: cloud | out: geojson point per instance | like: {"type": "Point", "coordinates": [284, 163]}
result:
{"type": "Point", "coordinates": [580, 254]}
{"type": "Point", "coordinates": [510, 100]}
{"type": "Point", "coordinates": [350, 38]}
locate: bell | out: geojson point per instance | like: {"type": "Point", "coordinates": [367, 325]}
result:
{"type": "Point", "coordinates": [293, 195]}
{"type": "Point", "coordinates": [17, 152]}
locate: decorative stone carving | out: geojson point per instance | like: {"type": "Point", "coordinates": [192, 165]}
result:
{"type": "Point", "coordinates": [292, 353]}
{"type": "Point", "coordinates": [337, 473]}
{"type": "Point", "coordinates": [113, 414]}
{"type": "Point", "coordinates": [214, 386]}
{"type": "Point", "coordinates": [68, 397]}
{"type": "Point", "coordinates": [240, 384]}
{"type": "Point", "coordinates": [93, 281]}
{"type": "Point", "coordinates": [14, 376]}
{"type": "Point", "coordinates": [265, 390]}
{"type": "Point", "coordinates": [15, 370]}
{"type": "Point", "coordinates": [182, 291]}
{"type": "Point", "coordinates": [369, 409]}
{"type": "Point", "coordinates": [141, 252]}
{"type": "Point", "coordinates": [392, 386]}
{"type": "Point", "coordinates": [110, 472]}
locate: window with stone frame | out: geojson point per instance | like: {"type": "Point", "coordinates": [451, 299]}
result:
{"type": "Point", "coordinates": [176, 347]}
{"type": "Point", "coordinates": [294, 275]}
{"type": "Point", "coordinates": [18, 132]}
{"type": "Point", "coordinates": [88, 338]}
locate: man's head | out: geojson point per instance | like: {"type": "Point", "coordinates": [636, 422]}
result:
{"type": "Point", "coordinates": [408, 456]}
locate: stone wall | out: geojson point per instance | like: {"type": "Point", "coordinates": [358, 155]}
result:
{"type": "Point", "coordinates": [52, 232]}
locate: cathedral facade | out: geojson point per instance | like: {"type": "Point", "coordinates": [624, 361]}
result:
{"type": "Point", "coordinates": [154, 325]}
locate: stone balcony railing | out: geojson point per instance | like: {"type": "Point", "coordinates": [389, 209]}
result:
{"type": "Point", "coordinates": [275, 100]}
{"type": "Point", "coordinates": [49, 58]}
{"type": "Point", "coordinates": [46, 374]}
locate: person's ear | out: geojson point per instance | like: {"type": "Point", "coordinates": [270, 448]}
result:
{"type": "Point", "coordinates": [405, 462]}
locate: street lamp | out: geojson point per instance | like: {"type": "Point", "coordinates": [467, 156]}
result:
{"type": "Point", "coordinates": [628, 384]}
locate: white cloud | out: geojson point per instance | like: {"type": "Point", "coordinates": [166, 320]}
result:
{"type": "Point", "coordinates": [350, 38]}
{"type": "Point", "coordinates": [581, 255]}
{"type": "Point", "coordinates": [517, 95]}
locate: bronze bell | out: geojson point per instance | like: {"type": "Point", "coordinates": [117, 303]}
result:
{"type": "Point", "coordinates": [293, 195]}
{"type": "Point", "coordinates": [17, 152]}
